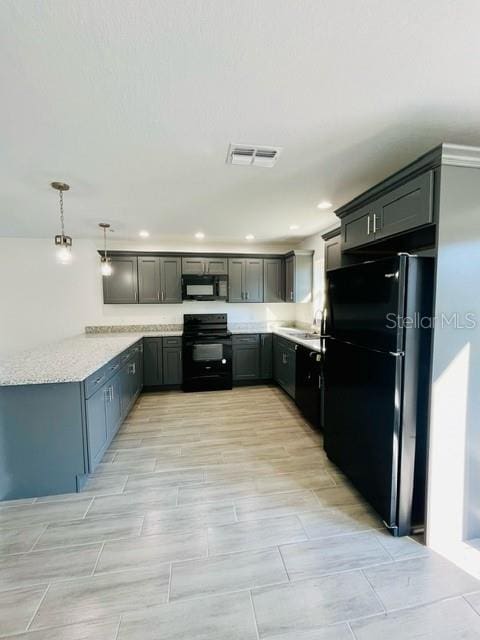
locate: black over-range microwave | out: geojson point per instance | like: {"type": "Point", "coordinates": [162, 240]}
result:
{"type": "Point", "coordinates": [204, 287]}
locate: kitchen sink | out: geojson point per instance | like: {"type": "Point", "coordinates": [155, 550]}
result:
{"type": "Point", "coordinates": [309, 336]}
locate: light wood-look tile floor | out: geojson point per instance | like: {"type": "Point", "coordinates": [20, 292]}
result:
{"type": "Point", "coordinates": [218, 516]}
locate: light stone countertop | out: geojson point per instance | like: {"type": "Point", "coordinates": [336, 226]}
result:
{"type": "Point", "coordinates": [74, 359]}
{"type": "Point", "coordinates": [69, 360]}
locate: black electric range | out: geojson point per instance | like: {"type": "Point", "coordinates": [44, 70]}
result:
{"type": "Point", "coordinates": [207, 352]}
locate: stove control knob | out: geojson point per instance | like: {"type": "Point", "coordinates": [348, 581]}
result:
{"type": "Point", "coordinates": [224, 361]}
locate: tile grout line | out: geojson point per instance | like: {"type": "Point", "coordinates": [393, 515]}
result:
{"type": "Point", "coordinates": [254, 614]}
{"type": "Point", "coordinates": [118, 628]}
{"type": "Point", "coordinates": [97, 560]}
{"type": "Point", "coordinates": [38, 608]}
{"type": "Point", "coordinates": [283, 562]}
{"type": "Point", "coordinates": [32, 548]}
{"type": "Point", "coordinates": [379, 600]}
{"type": "Point", "coordinates": [169, 582]}
{"type": "Point", "coordinates": [88, 509]}
{"type": "Point", "coordinates": [354, 637]}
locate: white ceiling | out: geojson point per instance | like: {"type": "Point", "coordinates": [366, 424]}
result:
{"type": "Point", "coordinates": [134, 103]}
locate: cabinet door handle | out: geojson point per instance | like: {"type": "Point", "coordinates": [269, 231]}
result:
{"type": "Point", "coordinates": [368, 225]}
{"type": "Point", "coordinates": [163, 296]}
{"type": "Point", "coordinates": [374, 223]}
{"type": "Point", "coordinates": [246, 295]}
{"type": "Point", "coordinates": [291, 295]}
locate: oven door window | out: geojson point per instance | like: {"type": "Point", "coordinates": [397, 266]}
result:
{"type": "Point", "coordinates": [207, 352]}
{"type": "Point", "coordinates": [200, 290]}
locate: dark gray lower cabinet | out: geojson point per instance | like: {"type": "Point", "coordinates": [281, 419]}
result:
{"type": "Point", "coordinates": [172, 365]}
{"type": "Point", "coordinates": [97, 432]}
{"type": "Point", "coordinates": [246, 357]}
{"type": "Point", "coordinates": [284, 364]}
{"type": "Point", "coordinates": [113, 405]}
{"type": "Point", "coordinates": [162, 361]}
{"type": "Point", "coordinates": [54, 435]}
{"type": "Point", "coordinates": [152, 362]}
{"type": "Point", "coordinates": [266, 355]}
{"type": "Point", "coordinates": [252, 357]}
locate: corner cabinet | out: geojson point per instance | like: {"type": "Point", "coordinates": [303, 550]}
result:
{"type": "Point", "coordinates": [122, 286]}
{"type": "Point", "coordinates": [299, 276]}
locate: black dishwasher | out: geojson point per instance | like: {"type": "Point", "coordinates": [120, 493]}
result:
{"type": "Point", "coordinates": [308, 380]}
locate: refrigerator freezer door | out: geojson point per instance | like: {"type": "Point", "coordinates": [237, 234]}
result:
{"type": "Point", "coordinates": [362, 421]}
{"type": "Point", "coordinates": [364, 302]}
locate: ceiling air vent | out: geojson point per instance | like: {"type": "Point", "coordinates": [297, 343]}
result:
{"type": "Point", "coordinates": [250, 155]}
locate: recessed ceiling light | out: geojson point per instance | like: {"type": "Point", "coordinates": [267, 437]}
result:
{"type": "Point", "coordinates": [199, 235]}
{"type": "Point", "coordinates": [249, 236]}
{"type": "Point", "coordinates": [294, 227]}
{"type": "Point", "coordinates": [143, 234]}
{"type": "Point", "coordinates": [324, 204]}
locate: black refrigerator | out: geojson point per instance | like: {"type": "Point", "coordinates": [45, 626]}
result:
{"type": "Point", "coordinates": [376, 382]}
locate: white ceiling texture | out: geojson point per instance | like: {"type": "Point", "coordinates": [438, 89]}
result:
{"type": "Point", "coordinates": [134, 103]}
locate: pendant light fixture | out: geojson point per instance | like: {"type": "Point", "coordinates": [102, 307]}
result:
{"type": "Point", "coordinates": [106, 263]}
{"type": "Point", "coordinates": [62, 242]}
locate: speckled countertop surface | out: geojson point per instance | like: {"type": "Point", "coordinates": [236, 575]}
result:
{"type": "Point", "coordinates": [74, 359]}
{"type": "Point", "coordinates": [70, 360]}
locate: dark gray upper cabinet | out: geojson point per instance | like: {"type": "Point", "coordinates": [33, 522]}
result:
{"type": "Point", "coordinates": [358, 228]}
{"type": "Point", "coordinates": [235, 280]}
{"type": "Point", "coordinates": [197, 265]}
{"type": "Point", "coordinates": [148, 279]}
{"type": "Point", "coordinates": [159, 279]}
{"type": "Point", "coordinates": [172, 365]}
{"type": "Point", "coordinates": [245, 277]}
{"type": "Point", "coordinates": [170, 279]}
{"type": "Point", "coordinates": [254, 279]}
{"type": "Point", "coordinates": [217, 266]}
{"type": "Point", "coordinates": [122, 286]}
{"type": "Point", "coordinates": [152, 362]}
{"type": "Point", "coordinates": [406, 207]}
{"type": "Point", "coordinates": [246, 357]}
{"type": "Point", "coordinates": [266, 355]}
{"type": "Point", "coordinates": [299, 276]}
{"type": "Point", "coordinates": [399, 204]}
{"type": "Point", "coordinates": [333, 249]}
{"type": "Point", "coordinates": [273, 282]}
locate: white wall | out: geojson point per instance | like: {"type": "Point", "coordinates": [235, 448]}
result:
{"type": "Point", "coordinates": [454, 449]}
{"type": "Point", "coordinates": [304, 312]}
{"type": "Point", "coordinates": [42, 301]}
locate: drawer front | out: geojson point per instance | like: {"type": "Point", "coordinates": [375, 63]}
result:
{"type": "Point", "coordinates": [250, 338]}
{"type": "Point", "coordinates": [95, 381]}
{"type": "Point", "coordinates": [173, 341]}
{"type": "Point", "coordinates": [112, 367]}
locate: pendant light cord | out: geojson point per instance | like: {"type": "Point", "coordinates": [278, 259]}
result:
{"type": "Point", "coordinates": [62, 223]}
{"type": "Point", "coordinates": [105, 242]}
